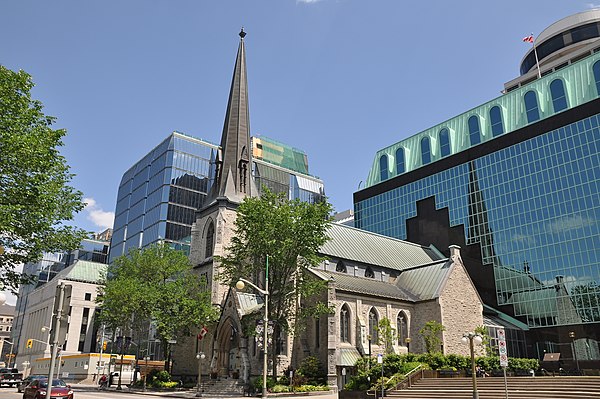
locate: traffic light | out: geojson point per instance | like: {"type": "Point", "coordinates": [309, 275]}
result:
{"type": "Point", "coordinates": [29, 344]}
{"type": "Point", "coordinates": [104, 345]}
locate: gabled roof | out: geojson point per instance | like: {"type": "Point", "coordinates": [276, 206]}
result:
{"type": "Point", "coordinates": [365, 285]}
{"type": "Point", "coordinates": [374, 249]}
{"type": "Point", "coordinates": [425, 282]}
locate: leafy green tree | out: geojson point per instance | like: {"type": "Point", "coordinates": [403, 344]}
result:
{"type": "Point", "coordinates": [386, 334]}
{"type": "Point", "coordinates": [290, 232]}
{"type": "Point", "coordinates": [35, 198]}
{"type": "Point", "coordinates": [431, 334]}
{"type": "Point", "coordinates": [486, 340]}
{"type": "Point", "coordinates": [155, 283]}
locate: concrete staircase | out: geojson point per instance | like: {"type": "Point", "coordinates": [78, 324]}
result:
{"type": "Point", "coordinates": [222, 388]}
{"type": "Point", "coordinates": [493, 388]}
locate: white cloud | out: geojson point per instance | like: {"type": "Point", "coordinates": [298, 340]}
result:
{"type": "Point", "coordinates": [568, 223]}
{"type": "Point", "coordinates": [592, 5]}
{"type": "Point", "coordinates": [308, 1]}
{"type": "Point", "coordinates": [97, 215]}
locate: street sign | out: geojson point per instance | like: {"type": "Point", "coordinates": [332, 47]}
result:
{"type": "Point", "coordinates": [380, 358]}
{"type": "Point", "coordinates": [502, 348]}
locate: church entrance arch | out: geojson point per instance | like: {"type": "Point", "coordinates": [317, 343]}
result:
{"type": "Point", "coordinates": [227, 349]}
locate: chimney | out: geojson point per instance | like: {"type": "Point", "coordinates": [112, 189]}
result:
{"type": "Point", "coordinates": [454, 251]}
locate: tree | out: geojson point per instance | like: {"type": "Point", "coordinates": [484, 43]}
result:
{"type": "Point", "coordinates": [155, 283]}
{"type": "Point", "coordinates": [386, 334]}
{"type": "Point", "coordinates": [290, 232]}
{"type": "Point", "coordinates": [431, 334]}
{"type": "Point", "coordinates": [486, 340]}
{"type": "Point", "coordinates": [35, 198]}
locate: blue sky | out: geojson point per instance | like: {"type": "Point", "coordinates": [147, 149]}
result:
{"type": "Point", "coordinates": [339, 79]}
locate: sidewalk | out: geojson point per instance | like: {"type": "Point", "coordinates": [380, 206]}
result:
{"type": "Point", "coordinates": [191, 393]}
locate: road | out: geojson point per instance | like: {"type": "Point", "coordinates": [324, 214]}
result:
{"type": "Point", "coordinates": [11, 393]}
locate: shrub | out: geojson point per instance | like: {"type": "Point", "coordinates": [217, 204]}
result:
{"type": "Point", "coordinates": [311, 388]}
{"type": "Point", "coordinates": [312, 369]}
{"type": "Point", "coordinates": [280, 388]}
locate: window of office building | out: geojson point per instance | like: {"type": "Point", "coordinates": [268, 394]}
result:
{"type": "Point", "coordinates": [559, 97]}
{"type": "Point", "coordinates": [474, 130]}
{"type": "Point", "coordinates": [444, 142]}
{"type": "Point", "coordinates": [531, 106]}
{"type": "Point", "coordinates": [400, 161]}
{"type": "Point", "coordinates": [425, 151]}
{"type": "Point", "coordinates": [383, 167]}
{"type": "Point", "coordinates": [496, 121]}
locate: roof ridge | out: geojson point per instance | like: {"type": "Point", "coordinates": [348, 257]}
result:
{"type": "Point", "coordinates": [379, 235]}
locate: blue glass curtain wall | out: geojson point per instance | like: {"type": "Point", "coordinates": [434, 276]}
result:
{"type": "Point", "coordinates": [538, 220]}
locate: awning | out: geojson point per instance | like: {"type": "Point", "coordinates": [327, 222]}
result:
{"type": "Point", "coordinates": [249, 303]}
{"type": "Point", "coordinates": [348, 357]}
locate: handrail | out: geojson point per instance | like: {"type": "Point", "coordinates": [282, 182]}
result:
{"type": "Point", "coordinates": [407, 378]}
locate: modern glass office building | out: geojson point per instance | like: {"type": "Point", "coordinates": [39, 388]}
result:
{"type": "Point", "coordinates": [518, 178]}
{"type": "Point", "coordinates": [159, 195]}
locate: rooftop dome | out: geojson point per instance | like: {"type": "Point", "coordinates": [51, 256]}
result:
{"type": "Point", "coordinates": [563, 37]}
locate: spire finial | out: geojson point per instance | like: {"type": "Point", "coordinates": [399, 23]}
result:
{"type": "Point", "coordinates": [242, 33]}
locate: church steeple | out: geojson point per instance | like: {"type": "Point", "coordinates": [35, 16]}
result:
{"type": "Point", "coordinates": [233, 178]}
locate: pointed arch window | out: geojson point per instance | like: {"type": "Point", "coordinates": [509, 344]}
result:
{"type": "Point", "coordinates": [210, 240]}
{"type": "Point", "coordinates": [341, 267]}
{"type": "Point", "coordinates": [531, 106]}
{"type": "Point", "coordinates": [474, 130]}
{"type": "Point", "coordinates": [444, 142]}
{"type": "Point", "coordinates": [496, 121]}
{"type": "Point", "coordinates": [559, 97]}
{"type": "Point", "coordinates": [402, 325]}
{"type": "Point", "coordinates": [345, 324]}
{"type": "Point", "coordinates": [383, 168]}
{"type": "Point", "coordinates": [369, 273]}
{"type": "Point", "coordinates": [400, 162]}
{"type": "Point", "coordinates": [373, 324]}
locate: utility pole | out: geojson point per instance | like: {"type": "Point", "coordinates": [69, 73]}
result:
{"type": "Point", "coordinates": [55, 335]}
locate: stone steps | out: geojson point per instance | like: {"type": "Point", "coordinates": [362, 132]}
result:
{"type": "Point", "coordinates": [493, 388]}
{"type": "Point", "coordinates": [222, 388]}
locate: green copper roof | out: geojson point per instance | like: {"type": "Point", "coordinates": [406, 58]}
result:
{"type": "Point", "coordinates": [580, 87]}
{"type": "Point", "coordinates": [425, 282]}
{"type": "Point", "coordinates": [85, 271]}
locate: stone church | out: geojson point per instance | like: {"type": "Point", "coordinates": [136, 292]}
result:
{"type": "Point", "coordinates": [369, 277]}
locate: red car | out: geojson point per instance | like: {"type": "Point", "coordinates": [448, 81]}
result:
{"type": "Point", "coordinates": [37, 390]}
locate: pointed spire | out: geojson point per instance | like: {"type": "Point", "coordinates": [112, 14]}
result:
{"type": "Point", "coordinates": [235, 156]}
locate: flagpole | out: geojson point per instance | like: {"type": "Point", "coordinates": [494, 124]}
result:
{"type": "Point", "coordinates": [537, 62]}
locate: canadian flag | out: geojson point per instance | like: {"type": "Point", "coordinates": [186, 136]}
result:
{"type": "Point", "coordinates": [528, 39]}
{"type": "Point", "coordinates": [202, 333]}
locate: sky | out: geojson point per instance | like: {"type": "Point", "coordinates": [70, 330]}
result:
{"type": "Point", "coordinates": [339, 79]}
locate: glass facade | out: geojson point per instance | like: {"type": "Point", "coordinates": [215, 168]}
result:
{"type": "Point", "coordinates": [534, 209]}
{"type": "Point", "coordinates": [159, 195]}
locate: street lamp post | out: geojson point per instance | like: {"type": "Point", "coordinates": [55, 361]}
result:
{"type": "Point", "coordinates": [472, 339]}
{"type": "Point", "coordinates": [146, 358]}
{"type": "Point", "coordinates": [200, 356]}
{"type": "Point", "coordinates": [240, 286]}
{"type": "Point", "coordinates": [572, 336]}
